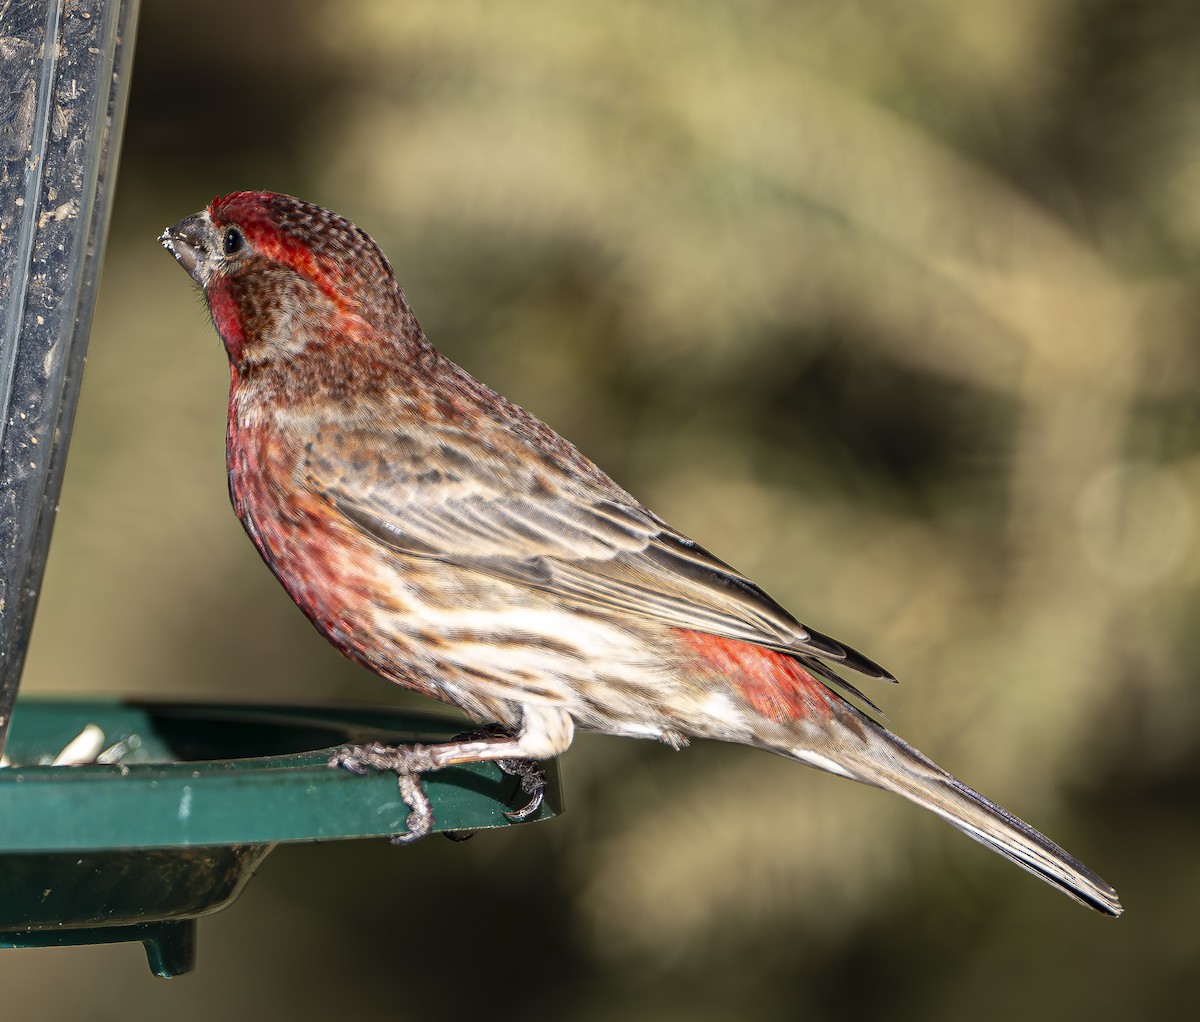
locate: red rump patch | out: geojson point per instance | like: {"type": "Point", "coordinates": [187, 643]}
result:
{"type": "Point", "coordinates": [776, 685]}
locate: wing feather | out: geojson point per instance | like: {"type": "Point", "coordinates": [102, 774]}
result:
{"type": "Point", "coordinates": [580, 538]}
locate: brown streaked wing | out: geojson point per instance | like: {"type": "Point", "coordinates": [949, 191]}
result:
{"type": "Point", "coordinates": [583, 540]}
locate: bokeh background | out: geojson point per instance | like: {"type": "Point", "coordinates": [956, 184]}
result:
{"type": "Point", "coordinates": [893, 306]}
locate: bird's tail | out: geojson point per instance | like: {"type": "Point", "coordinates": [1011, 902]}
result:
{"type": "Point", "coordinates": [857, 747]}
{"type": "Point", "coordinates": [804, 718]}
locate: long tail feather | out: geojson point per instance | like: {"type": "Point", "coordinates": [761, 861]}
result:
{"type": "Point", "coordinates": [869, 753]}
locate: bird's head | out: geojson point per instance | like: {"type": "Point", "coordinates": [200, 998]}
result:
{"type": "Point", "coordinates": [281, 275]}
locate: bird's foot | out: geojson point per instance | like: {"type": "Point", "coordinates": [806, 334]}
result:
{"type": "Point", "coordinates": [408, 763]}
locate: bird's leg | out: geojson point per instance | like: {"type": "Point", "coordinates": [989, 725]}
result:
{"type": "Point", "coordinates": [544, 734]}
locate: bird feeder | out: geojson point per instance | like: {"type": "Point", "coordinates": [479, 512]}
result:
{"type": "Point", "coordinates": [153, 814]}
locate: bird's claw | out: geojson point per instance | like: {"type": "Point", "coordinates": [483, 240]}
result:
{"type": "Point", "coordinates": [532, 782]}
{"type": "Point", "coordinates": [420, 817]}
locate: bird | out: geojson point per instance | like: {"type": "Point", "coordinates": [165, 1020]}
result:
{"type": "Point", "coordinates": [447, 540]}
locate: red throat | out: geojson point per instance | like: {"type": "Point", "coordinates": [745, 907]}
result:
{"type": "Point", "coordinates": [226, 317]}
{"type": "Point", "coordinates": [774, 684]}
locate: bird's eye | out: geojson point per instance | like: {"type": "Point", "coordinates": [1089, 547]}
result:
{"type": "Point", "coordinates": [234, 240]}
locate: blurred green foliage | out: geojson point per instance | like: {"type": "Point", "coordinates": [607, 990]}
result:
{"type": "Point", "coordinates": [890, 305]}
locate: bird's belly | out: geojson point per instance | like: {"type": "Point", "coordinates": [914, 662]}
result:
{"type": "Point", "coordinates": [486, 646]}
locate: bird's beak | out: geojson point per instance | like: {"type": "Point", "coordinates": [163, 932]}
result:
{"type": "Point", "coordinates": [191, 242]}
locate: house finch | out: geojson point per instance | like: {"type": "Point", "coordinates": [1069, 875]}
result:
{"type": "Point", "coordinates": [452, 543]}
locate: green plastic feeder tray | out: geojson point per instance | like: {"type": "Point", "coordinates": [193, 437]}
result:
{"type": "Point", "coordinates": [140, 849]}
